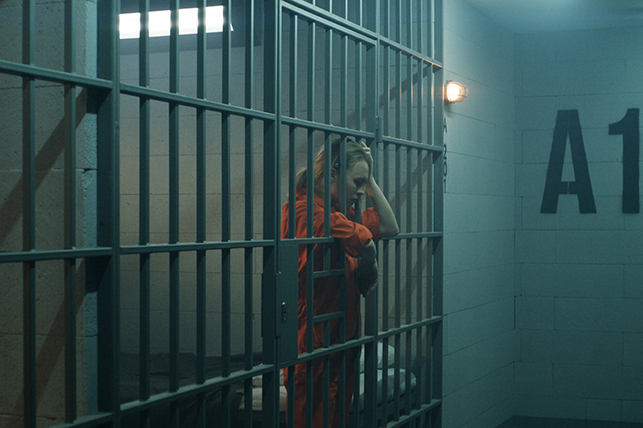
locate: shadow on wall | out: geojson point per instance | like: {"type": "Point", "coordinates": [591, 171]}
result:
{"type": "Point", "coordinates": [51, 340]}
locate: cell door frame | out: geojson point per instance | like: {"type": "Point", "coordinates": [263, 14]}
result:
{"type": "Point", "coordinates": [274, 300]}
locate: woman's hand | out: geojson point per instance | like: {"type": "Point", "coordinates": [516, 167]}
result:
{"type": "Point", "coordinates": [388, 223]}
{"type": "Point", "coordinates": [366, 276]}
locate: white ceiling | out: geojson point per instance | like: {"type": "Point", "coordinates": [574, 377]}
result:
{"type": "Point", "coordinates": [549, 15]}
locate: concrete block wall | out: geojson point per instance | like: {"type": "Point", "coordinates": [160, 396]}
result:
{"type": "Point", "coordinates": [578, 276]}
{"type": "Point", "coordinates": [479, 222]}
{"type": "Point", "coordinates": [50, 136]}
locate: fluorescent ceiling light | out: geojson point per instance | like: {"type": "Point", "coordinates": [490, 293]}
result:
{"type": "Point", "coordinates": [159, 22]}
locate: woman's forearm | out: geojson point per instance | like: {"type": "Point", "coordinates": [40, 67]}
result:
{"type": "Point", "coordinates": [388, 222]}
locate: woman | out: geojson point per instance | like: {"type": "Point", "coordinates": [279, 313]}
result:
{"type": "Point", "coordinates": [356, 240]}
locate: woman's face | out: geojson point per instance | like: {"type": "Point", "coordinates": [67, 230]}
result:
{"type": "Point", "coordinates": [356, 178]}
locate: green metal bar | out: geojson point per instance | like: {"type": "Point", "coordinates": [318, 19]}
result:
{"type": "Point", "coordinates": [249, 188]}
{"type": "Point", "coordinates": [226, 220]}
{"type": "Point", "coordinates": [70, 218]}
{"type": "Point", "coordinates": [292, 154]}
{"type": "Point", "coordinates": [144, 213]}
{"type": "Point", "coordinates": [201, 255]}
{"type": "Point", "coordinates": [272, 139]}
{"type": "Point", "coordinates": [343, 81]}
{"type": "Point", "coordinates": [201, 167]}
{"type": "Point", "coordinates": [438, 250]}
{"type": "Point", "coordinates": [34, 72]}
{"type": "Point", "coordinates": [173, 209]}
{"type": "Point", "coordinates": [193, 246]}
{"type": "Point", "coordinates": [310, 308]}
{"type": "Point", "coordinates": [322, 127]}
{"type": "Point", "coordinates": [28, 222]}
{"type": "Point", "coordinates": [249, 206]}
{"type": "Point", "coordinates": [187, 101]}
{"type": "Point", "coordinates": [107, 268]}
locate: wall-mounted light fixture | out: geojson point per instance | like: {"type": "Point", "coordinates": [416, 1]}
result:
{"type": "Point", "coordinates": [455, 92]}
{"type": "Point", "coordinates": [159, 22]}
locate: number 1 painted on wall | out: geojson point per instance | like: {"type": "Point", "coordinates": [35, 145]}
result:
{"type": "Point", "coordinates": [628, 127]}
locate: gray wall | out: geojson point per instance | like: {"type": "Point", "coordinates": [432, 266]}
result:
{"type": "Point", "coordinates": [570, 282]}
{"type": "Point", "coordinates": [479, 222]}
{"type": "Point", "coordinates": [579, 300]}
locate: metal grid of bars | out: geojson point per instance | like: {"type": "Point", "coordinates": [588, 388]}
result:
{"type": "Point", "coordinates": [380, 67]}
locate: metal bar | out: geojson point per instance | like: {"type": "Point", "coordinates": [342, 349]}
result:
{"type": "Point", "coordinates": [343, 81]}
{"type": "Point", "coordinates": [201, 255]}
{"type": "Point", "coordinates": [62, 77]}
{"type": "Point", "coordinates": [201, 167]}
{"type": "Point", "coordinates": [28, 222]}
{"type": "Point", "coordinates": [249, 209]}
{"type": "Point", "coordinates": [144, 213]}
{"type": "Point", "coordinates": [358, 87]}
{"type": "Point", "coordinates": [272, 141]}
{"type": "Point", "coordinates": [107, 268]}
{"type": "Point", "coordinates": [33, 256]}
{"type": "Point", "coordinates": [292, 155]}
{"type": "Point", "coordinates": [411, 144]}
{"type": "Point", "coordinates": [438, 214]}
{"type": "Point", "coordinates": [226, 214]}
{"type": "Point", "coordinates": [328, 107]}
{"type": "Point", "coordinates": [173, 210]}
{"type": "Point", "coordinates": [310, 211]}
{"type": "Point", "coordinates": [306, 357]}
{"type": "Point", "coordinates": [312, 13]}
{"type": "Point", "coordinates": [249, 206]}
{"type": "Point", "coordinates": [191, 246]}
{"type": "Point", "coordinates": [310, 125]}
{"type": "Point", "coordinates": [70, 218]}
{"type": "Point", "coordinates": [328, 273]}
{"type": "Point", "coordinates": [186, 101]}
{"type": "Point", "coordinates": [189, 391]}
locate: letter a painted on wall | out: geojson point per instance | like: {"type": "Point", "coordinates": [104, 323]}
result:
{"type": "Point", "coordinates": [568, 124]}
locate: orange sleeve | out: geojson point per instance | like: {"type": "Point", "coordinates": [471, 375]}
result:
{"type": "Point", "coordinates": [353, 236]}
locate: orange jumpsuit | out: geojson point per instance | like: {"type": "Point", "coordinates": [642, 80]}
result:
{"type": "Point", "coordinates": [351, 237]}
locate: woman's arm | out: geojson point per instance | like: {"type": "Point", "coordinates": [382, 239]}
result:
{"type": "Point", "coordinates": [388, 222]}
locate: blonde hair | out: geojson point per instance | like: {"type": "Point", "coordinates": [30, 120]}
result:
{"type": "Point", "coordinates": [354, 154]}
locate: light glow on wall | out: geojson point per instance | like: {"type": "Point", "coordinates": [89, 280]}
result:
{"type": "Point", "coordinates": [455, 91]}
{"type": "Point", "coordinates": [160, 22]}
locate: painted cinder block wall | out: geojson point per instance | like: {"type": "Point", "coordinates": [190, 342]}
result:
{"type": "Point", "coordinates": [51, 136]}
{"type": "Point", "coordinates": [479, 222]}
{"type": "Point", "coordinates": [579, 277]}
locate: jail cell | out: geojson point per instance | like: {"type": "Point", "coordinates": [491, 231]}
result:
{"type": "Point", "coordinates": [142, 209]}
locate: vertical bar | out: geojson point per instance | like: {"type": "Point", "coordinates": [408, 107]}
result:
{"type": "Point", "coordinates": [310, 204]}
{"type": "Point", "coordinates": [107, 268]}
{"type": "Point", "coordinates": [272, 139]}
{"type": "Point", "coordinates": [201, 198]}
{"type": "Point", "coordinates": [420, 268]}
{"type": "Point", "coordinates": [201, 255]}
{"type": "Point", "coordinates": [310, 308]}
{"type": "Point", "coordinates": [358, 86]}
{"type": "Point", "coordinates": [174, 211]}
{"type": "Point", "coordinates": [292, 155]}
{"type": "Point", "coordinates": [439, 212]}
{"type": "Point", "coordinates": [70, 218]}
{"type": "Point", "coordinates": [343, 81]}
{"type": "Point", "coordinates": [144, 212]}
{"type": "Point", "coordinates": [373, 123]}
{"type": "Point", "coordinates": [249, 205]}
{"type": "Point", "coordinates": [28, 210]}
{"type": "Point", "coordinates": [329, 77]}
{"type": "Point", "coordinates": [226, 215]}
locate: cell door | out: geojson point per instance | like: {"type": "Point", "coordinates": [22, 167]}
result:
{"type": "Point", "coordinates": [363, 71]}
{"type": "Point", "coordinates": [148, 159]}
